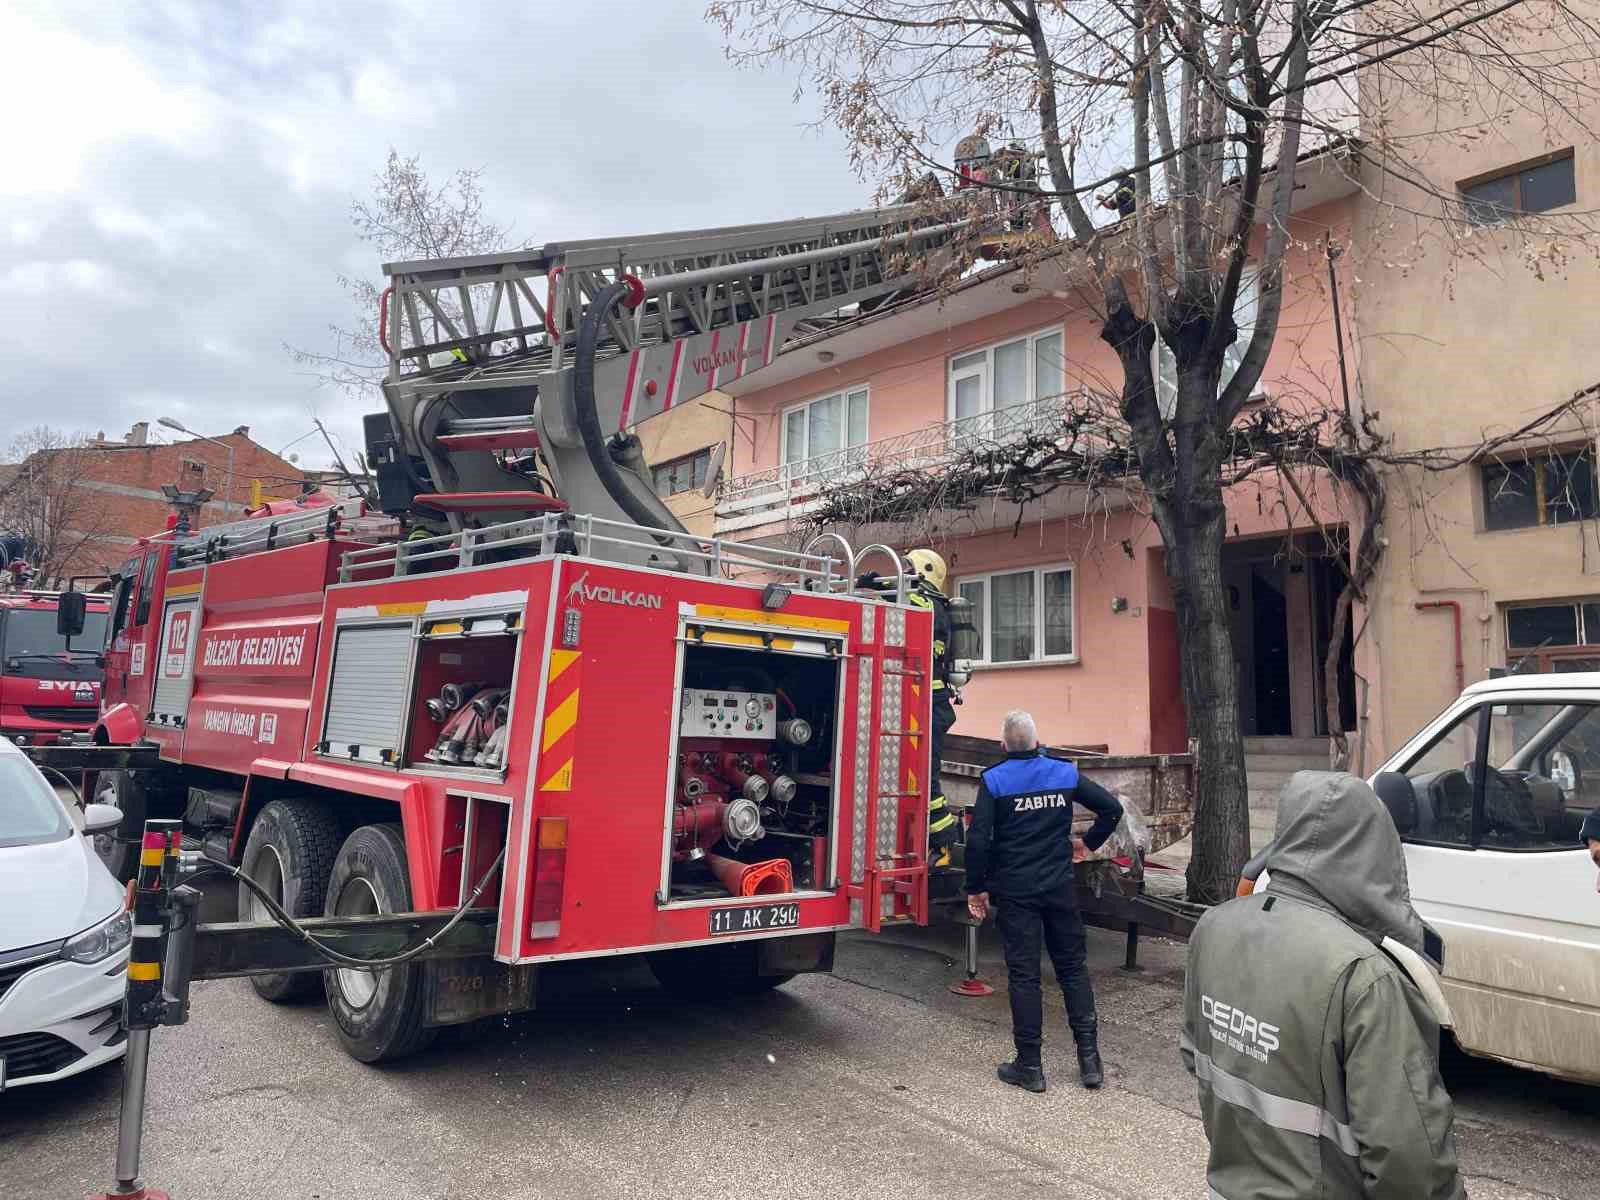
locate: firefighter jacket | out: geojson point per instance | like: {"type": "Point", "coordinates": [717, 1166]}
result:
{"type": "Point", "coordinates": [1020, 840]}
{"type": "Point", "coordinates": [926, 597]}
{"type": "Point", "coordinates": [1316, 1056]}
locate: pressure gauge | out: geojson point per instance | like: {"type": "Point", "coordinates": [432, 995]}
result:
{"type": "Point", "coordinates": [752, 708]}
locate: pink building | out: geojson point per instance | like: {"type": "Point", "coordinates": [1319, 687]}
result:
{"type": "Point", "coordinates": [1456, 331]}
{"type": "Point", "coordinates": [1071, 592]}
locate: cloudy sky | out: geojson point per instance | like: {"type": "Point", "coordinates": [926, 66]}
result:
{"type": "Point", "coordinates": [175, 202]}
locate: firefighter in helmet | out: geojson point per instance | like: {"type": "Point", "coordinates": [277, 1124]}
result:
{"type": "Point", "coordinates": [928, 593]}
{"type": "Point", "coordinates": [954, 645]}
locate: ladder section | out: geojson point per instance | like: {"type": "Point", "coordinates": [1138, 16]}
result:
{"type": "Point", "coordinates": [254, 534]}
{"type": "Point", "coordinates": [889, 831]}
{"type": "Point", "coordinates": [482, 349]}
{"type": "Point", "coordinates": [486, 320]}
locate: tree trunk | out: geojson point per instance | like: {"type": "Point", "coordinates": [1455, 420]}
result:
{"type": "Point", "coordinates": [1193, 527]}
{"type": "Point", "coordinates": [1180, 465]}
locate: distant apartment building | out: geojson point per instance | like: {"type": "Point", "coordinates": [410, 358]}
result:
{"type": "Point", "coordinates": [1493, 565]}
{"type": "Point", "coordinates": [116, 491]}
{"type": "Point", "coordinates": [681, 447]}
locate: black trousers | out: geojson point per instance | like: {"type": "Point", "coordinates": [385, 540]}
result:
{"type": "Point", "coordinates": [1022, 921]}
{"type": "Point", "coordinates": [943, 829]}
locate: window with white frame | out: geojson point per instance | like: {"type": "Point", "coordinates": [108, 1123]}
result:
{"type": "Point", "coordinates": [1246, 304]}
{"type": "Point", "coordinates": [824, 426]}
{"type": "Point", "coordinates": [1001, 379]}
{"type": "Point", "coordinates": [1025, 615]}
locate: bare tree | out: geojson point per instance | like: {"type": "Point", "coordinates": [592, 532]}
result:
{"type": "Point", "coordinates": [409, 216]}
{"type": "Point", "coordinates": [43, 503]}
{"type": "Point", "coordinates": [1212, 107]}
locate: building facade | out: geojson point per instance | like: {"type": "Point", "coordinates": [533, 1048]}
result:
{"type": "Point", "coordinates": [1443, 351]}
{"type": "Point", "coordinates": [681, 446]}
{"type": "Point", "coordinates": [113, 492]}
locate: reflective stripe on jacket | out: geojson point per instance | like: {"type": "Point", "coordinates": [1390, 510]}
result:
{"type": "Point", "coordinates": [1316, 1060]}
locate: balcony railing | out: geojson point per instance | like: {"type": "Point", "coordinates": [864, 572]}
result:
{"type": "Point", "coordinates": [791, 489]}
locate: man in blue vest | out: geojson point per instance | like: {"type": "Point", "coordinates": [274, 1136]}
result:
{"type": "Point", "coordinates": [1020, 850]}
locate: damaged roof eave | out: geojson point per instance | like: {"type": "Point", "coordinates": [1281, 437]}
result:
{"type": "Point", "coordinates": [1324, 176]}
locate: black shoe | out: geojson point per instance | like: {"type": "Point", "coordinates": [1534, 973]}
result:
{"type": "Point", "coordinates": [1029, 1079]}
{"type": "Point", "coordinates": [1091, 1072]}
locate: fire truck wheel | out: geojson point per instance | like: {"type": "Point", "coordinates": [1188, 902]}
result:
{"type": "Point", "coordinates": [290, 853]}
{"type": "Point", "coordinates": [711, 972]}
{"type": "Point", "coordinates": [378, 1014]}
{"type": "Point", "coordinates": [119, 849]}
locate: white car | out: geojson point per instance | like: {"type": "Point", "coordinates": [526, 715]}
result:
{"type": "Point", "coordinates": [63, 934]}
{"type": "Point", "coordinates": [1488, 800]}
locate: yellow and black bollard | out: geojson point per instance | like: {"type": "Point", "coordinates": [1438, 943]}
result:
{"type": "Point", "coordinates": [146, 1005]}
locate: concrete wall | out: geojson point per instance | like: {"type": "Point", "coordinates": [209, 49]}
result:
{"type": "Point", "coordinates": [1460, 334]}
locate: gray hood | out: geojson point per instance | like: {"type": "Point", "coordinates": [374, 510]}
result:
{"type": "Point", "coordinates": [1336, 846]}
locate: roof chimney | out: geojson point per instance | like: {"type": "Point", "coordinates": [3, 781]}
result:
{"type": "Point", "coordinates": [139, 435]}
{"type": "Point", "coordinates": [243, 431]}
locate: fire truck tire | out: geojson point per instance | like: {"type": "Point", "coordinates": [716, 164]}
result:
{"type": "Point", "coordinates": [378, 1015]}
{"type": "Point", "coordinates": [712, 972]}
{"type": "Point", "coordinates": [290, 851]}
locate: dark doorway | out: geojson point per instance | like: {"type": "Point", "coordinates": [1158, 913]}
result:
{"type": "Point", "coordinates": [1270, 628]}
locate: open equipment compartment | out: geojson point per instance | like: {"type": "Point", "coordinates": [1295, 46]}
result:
{"type": "Point", "coordinates": [462, 697]}
{"type": "Point", "coordinates": [755, 805]}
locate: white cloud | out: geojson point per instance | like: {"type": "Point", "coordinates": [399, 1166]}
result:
{"type": "Point", "coordinates": [180, 173]}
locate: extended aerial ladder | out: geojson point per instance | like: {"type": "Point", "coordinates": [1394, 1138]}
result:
{"type": "Point", "coordinates": [512, 376]}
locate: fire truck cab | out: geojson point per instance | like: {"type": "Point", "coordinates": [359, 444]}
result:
{"type": "Point", "coordinates": [49, 684]}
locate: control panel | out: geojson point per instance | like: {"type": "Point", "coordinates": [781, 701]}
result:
{"type": "Point", "coordinates": [728, 714]}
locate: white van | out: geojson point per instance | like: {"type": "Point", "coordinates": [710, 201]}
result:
{"type": "Point", "coordinates": [1488, 800]}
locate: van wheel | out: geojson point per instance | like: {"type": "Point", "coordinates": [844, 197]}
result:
{"type": "Point", "coordinates": [289, 853]}
{"type": "Point", "coordinates": [710, 972]}
{"type": "Point", "coordinates": [119, 849]}
{"type": "Point", "coordinates": [378, 1014]}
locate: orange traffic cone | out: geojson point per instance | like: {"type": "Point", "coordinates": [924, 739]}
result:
{"type": "Point", "coordinates": [771, 878]}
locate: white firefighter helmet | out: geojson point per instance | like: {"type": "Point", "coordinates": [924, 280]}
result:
{"type": "Point", "coordinates": [929, 567]}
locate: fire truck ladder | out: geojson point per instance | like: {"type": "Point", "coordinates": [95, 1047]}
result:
{"type": "Point", "coordinates": [484, 351]}
{"type": "Point", "coordinates": [889, 833]}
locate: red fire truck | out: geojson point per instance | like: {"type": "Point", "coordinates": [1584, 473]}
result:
{"type": "Point", "coordinates": [645, 741]}
{"type": "Point", "coordinates": [49, 687]}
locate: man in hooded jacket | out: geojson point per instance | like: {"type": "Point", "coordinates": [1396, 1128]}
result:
{"type": "Point", "coordinates": [1316, 1056]}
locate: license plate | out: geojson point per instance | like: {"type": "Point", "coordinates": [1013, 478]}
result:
{"type": "Point", "coordinates": [754, 918]}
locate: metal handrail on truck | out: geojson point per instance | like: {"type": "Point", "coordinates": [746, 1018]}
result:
{"type": "Point", "coordinates": [580, 535]}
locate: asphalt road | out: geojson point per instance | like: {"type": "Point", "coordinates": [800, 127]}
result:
{"type": "Point", "coordinates": [874, 1082]}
